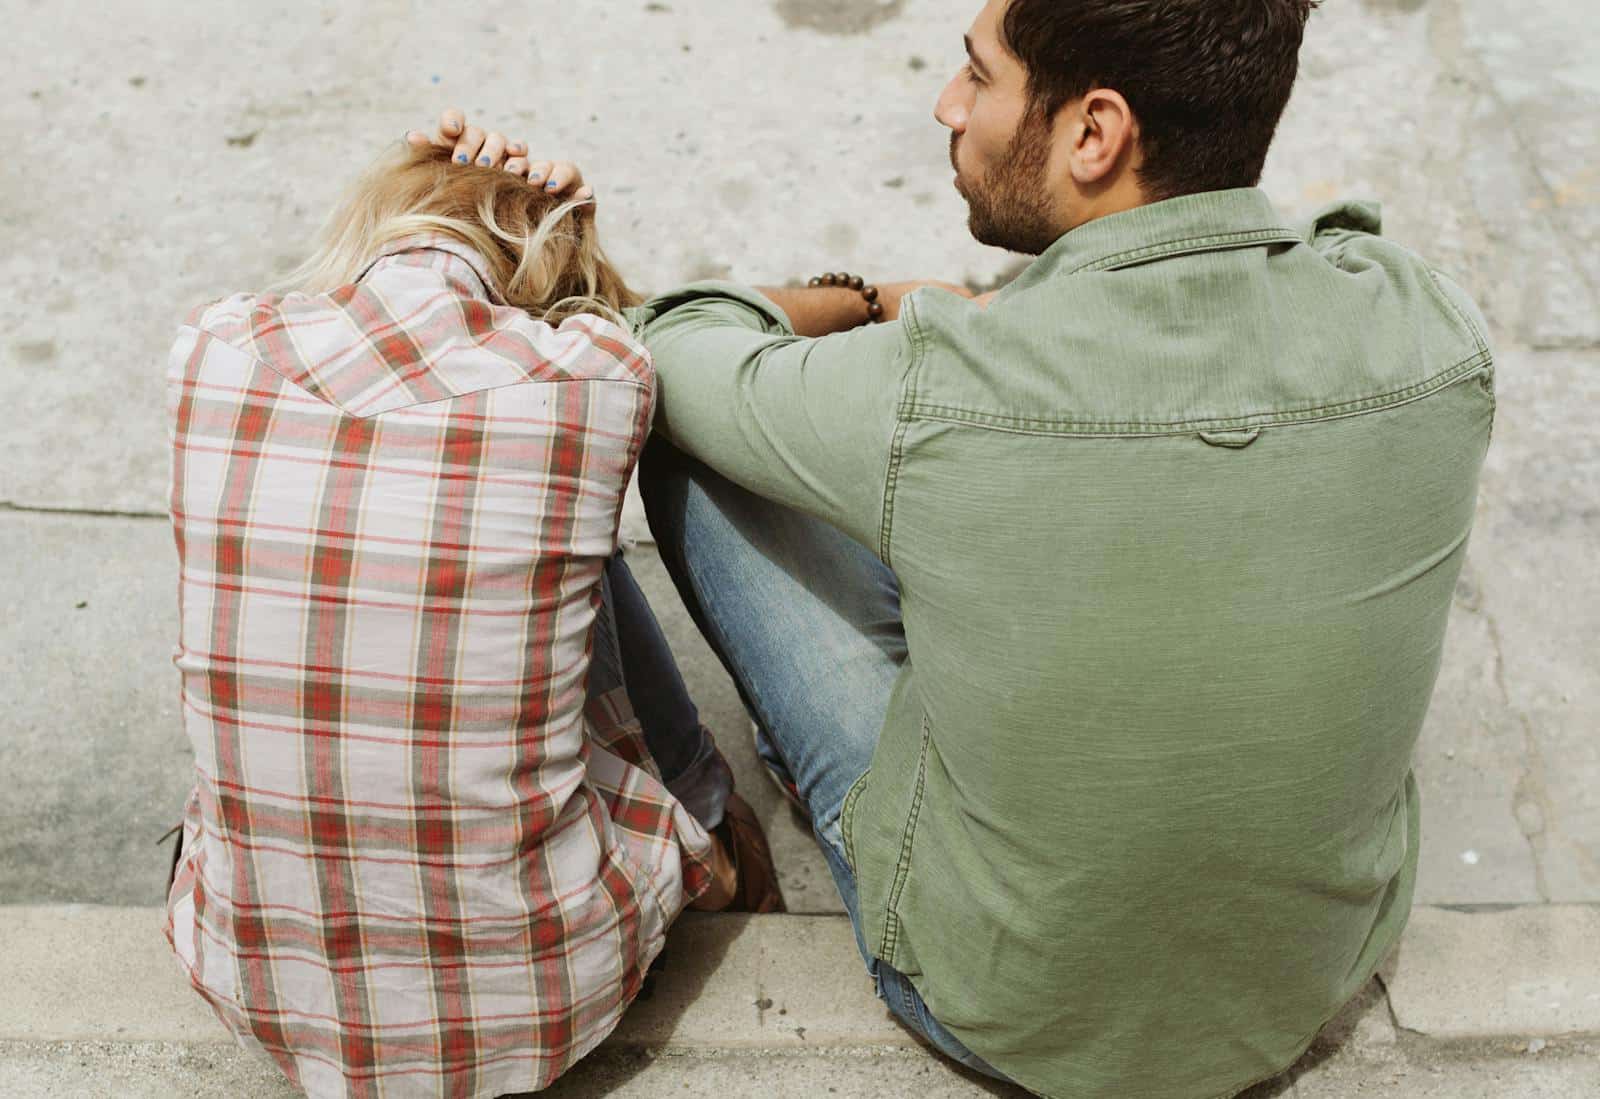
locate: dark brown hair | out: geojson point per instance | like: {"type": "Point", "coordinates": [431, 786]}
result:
{"type": "Point", "coordinates": [1207, 80]}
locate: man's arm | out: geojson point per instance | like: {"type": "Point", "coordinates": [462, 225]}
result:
{"type": "Point", "coordinates": [824, 310]}
{"type": "Point", "coordinates": [806, 422]}
{"type": "Point", "coordinates": [819, 310]}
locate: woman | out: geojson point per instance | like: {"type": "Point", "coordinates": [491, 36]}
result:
{"type": "Point", "coordinates": [430, 848]}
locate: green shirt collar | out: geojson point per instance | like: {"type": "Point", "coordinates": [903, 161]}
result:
{"type": "Point", "coordinates": [1209, 221]}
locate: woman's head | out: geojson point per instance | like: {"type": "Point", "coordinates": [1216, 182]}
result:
{"type": "Point", "coordinates": [542, 253]}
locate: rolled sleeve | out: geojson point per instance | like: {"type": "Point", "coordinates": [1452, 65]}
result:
{"type": "Point", "coordinates": [808, 423]}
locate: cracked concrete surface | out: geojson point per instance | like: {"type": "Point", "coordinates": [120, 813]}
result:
{"type": "Point", "coordinates": [171, 154]}
{"type": "Point", "coordinates": [1530, 800]}
{"type": "Point", "coordinates": [724, 141]}
{"type": "Point", "coordinates": [1470, 128]}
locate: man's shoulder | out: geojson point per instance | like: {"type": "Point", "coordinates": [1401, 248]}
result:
{"type": "Point", "coordinates": [1349, 237]}
{"type": "Point", "coordinates": [1343, 317]}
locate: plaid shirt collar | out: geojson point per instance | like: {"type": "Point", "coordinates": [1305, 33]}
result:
{"type": "Point", "coordinates": [442, 242]}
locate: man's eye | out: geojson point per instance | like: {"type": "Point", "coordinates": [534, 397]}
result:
{"type": "Point", "coordinates": [971, 75]}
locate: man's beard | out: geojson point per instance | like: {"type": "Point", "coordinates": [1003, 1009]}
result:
{"type": "Point", "coordinates": [1011, 208]}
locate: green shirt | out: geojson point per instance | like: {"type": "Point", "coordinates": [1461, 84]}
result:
{"type": "Point", "coordinates": [1176, 522]}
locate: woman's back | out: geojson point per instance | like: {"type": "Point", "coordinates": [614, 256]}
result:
{"type": "Point", "coordinates": [411, 854]}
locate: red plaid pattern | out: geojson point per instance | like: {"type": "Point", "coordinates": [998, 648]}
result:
{"type": "Point", "coordinates": [415, 862]}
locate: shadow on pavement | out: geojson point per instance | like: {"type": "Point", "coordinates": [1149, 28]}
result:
{"type": "Point", "coordinates": [675, 981]}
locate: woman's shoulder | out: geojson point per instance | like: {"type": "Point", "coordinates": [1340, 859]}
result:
{"type": "Point", "coordinates": [584, 346]}
{"type": "Point", "coordinates": [589, 346]}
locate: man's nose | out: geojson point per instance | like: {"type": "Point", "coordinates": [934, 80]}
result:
{"type": "Point", "coordinates": [952, 107]}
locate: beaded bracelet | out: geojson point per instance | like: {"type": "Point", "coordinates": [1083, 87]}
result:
{"type": "Point", "coordinates": [853, 282]}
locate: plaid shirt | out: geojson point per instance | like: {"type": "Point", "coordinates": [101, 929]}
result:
{"type": "Point", "coordinates": [416, 861]}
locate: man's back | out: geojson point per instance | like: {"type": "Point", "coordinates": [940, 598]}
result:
{"type": "Point", "coordinates": [1176, 535]}
{"type": "Point", "coordinates": [1176, 523]}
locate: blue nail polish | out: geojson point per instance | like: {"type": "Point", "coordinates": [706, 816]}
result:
{"type": "Point", "coordinates": [462, 159]}
{"type": "Point", "coordinates": [483, 160]}
{"type": "Point", "coordinates": [549, 185]}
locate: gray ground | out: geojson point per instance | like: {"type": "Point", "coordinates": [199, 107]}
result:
{"type": "Point", "coordinates": [165, 154]}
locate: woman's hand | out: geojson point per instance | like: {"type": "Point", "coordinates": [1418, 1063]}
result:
{"type": "Point", "coordinates": [472, 145]}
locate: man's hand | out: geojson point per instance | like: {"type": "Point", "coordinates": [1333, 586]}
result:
{"type": "Point", "coordinates": [472, 145]}
{"type": "Point", "coordinates": [822, 310]}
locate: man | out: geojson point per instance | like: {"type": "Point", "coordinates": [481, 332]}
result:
{"type": "Point", "coordinates": [1095, 628]}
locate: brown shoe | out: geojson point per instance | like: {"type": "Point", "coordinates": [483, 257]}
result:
{"type": "Point", "coordinates": [756, 889]}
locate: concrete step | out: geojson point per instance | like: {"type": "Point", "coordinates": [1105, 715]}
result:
{"type": "Point", "coordinates": [88, 617]}
{"type": "Point", "coordinates": [161, 1070]}
{"type": "Point", "coordinates": [780, 1005]}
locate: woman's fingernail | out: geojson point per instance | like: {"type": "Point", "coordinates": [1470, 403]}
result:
{"type": "Point", "coordinates": [461, 159]}
{"type": "Point", "coordinates": [550, 185]}
{"type": "Point", "coordinates": [484, 160]}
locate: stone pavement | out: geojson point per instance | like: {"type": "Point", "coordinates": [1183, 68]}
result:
{"type": "Point", "coordinates": [778, 1005]}
{"type": "Point", "coordinates": [171, 153]}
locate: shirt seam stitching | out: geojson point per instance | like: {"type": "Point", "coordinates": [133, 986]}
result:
{"type": "Point", "coordinates": [259, 360]}
{"type": "Point", "coordinates": [462, 253]}
{"type": "Point", "coordinates": [1479, 337]}
{"type": "Point", "coordinates": [1172, 247]}
{"type": "Point", "coordinates": [891, 924]}
{"type": "Point", "coordinates": [903, 418]}
{"type": "Point", "coordinates": [1460, 314]}
{"type": "Point", "coordinates": [847, 818]}
{"type": "Point", "coordinates": [1134, 428]}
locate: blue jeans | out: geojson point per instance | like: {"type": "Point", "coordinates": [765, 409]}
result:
{"type": "Point", "coordinates": [807, 622]}
{"type": "Point", "coordinates": [631, 651]}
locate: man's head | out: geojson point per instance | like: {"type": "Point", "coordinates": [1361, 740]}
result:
{"type": "Point", "coordinates": [1068, 110]}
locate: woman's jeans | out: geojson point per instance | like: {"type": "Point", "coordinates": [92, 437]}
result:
{"type": "Point", "coordinates": [807, 622]}
{"type": "Point", "coordinates": [630, 651]}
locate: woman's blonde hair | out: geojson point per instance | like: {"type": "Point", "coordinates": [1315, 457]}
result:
{"type": "Point", "coordinates": [543, 255]}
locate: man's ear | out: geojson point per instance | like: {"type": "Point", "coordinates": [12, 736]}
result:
{"type": "Point", "coordinates": [1103, 131]}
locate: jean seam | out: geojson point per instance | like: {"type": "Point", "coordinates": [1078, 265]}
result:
{"type": "Point", "coordinates": [702, 595]}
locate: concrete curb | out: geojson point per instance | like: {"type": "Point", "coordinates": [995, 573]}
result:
{"type": "Point", "coordinates": [1531, 971]}
{"type": "Point", "coordinates": [86, 973]}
